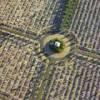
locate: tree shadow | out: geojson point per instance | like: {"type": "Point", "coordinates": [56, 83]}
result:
{"type": "Point", "coordinates": [47, 51]}
{"type": "Point", "coordinates": [59, 13]}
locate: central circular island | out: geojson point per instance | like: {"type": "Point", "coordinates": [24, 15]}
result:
{"type": "Point", "coordinates": [56, 46]}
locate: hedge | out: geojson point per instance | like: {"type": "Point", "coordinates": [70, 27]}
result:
{"type": "Point", "coordinates": [68, 13]}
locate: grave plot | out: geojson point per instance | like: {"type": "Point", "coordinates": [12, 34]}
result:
{"type": "Point", "coordinates": [18, 65]}
{"type": "Point", "coordinates": [34, 15]}
{"type": "Point", "coordinates": [86, 24]}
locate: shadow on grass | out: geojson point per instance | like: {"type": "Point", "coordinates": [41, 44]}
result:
{"type": "Point", "coordinates": [47, 50]}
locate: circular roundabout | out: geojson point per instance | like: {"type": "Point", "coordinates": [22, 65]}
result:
{"type": "Point", "coordinates": [57, 46]}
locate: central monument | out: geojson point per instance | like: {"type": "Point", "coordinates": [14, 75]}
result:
{"type": "Point", "coordinates": [56, 45]}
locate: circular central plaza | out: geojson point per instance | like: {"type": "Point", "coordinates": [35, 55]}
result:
{"type": "Point", "coordinates": [56, 46]}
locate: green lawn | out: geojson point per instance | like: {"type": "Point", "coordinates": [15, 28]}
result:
{"type": "Point", "coordinates": [68, 13]}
